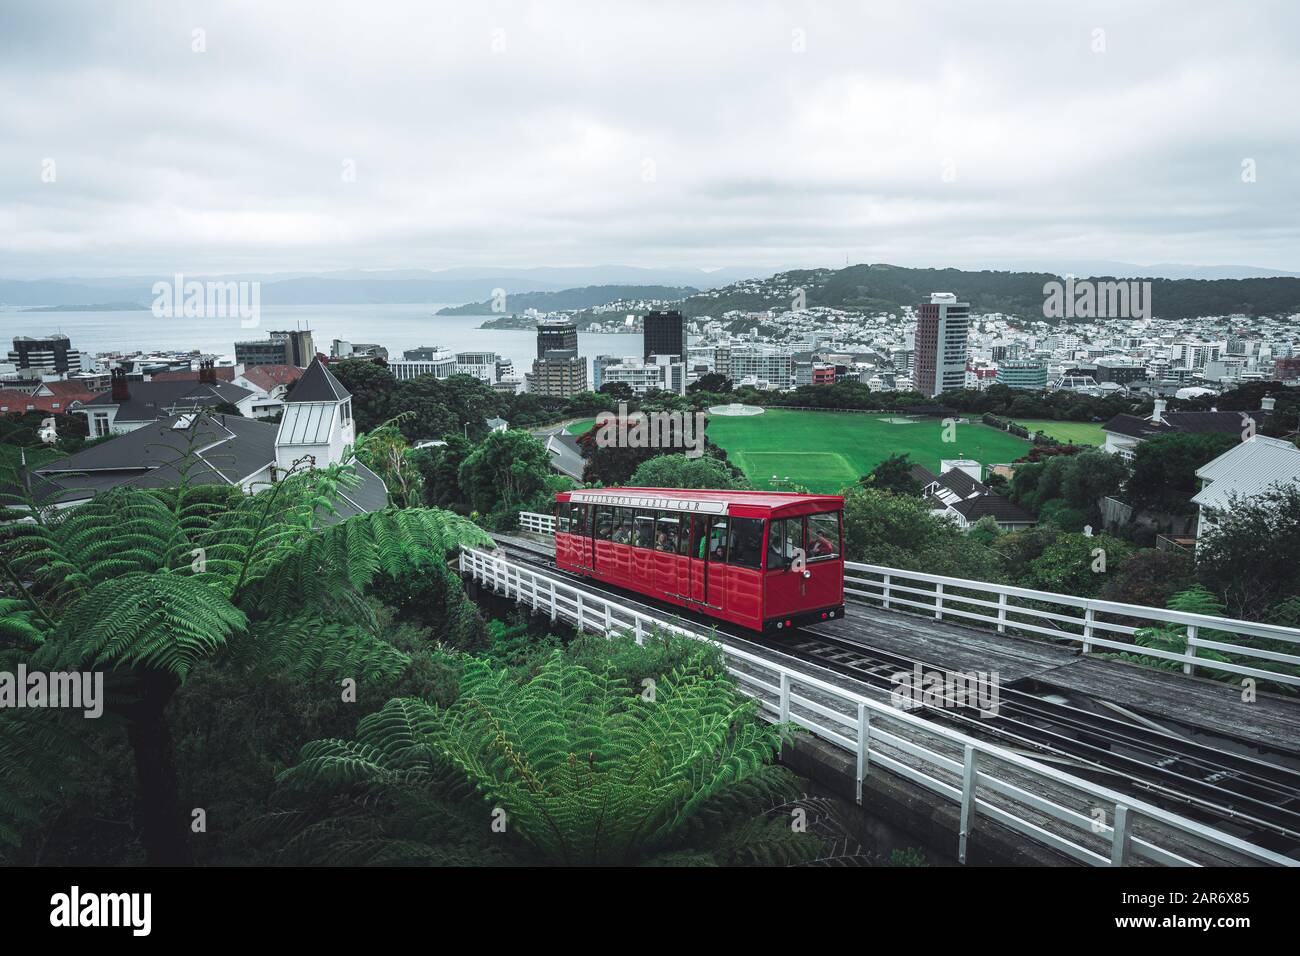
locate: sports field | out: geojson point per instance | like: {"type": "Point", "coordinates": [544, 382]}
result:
{"type": "Point", "coordinates": [1075, 433]}
{"type": "Point", "coordinates": [827, 450]}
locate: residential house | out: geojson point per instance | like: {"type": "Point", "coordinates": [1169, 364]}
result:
{"type": "Point", "coordinates": [1243, 471]}
{"type": "Point", "coordinates": [1125, 432]}
{"type": "Point", "coordinates": [219, 449]}
{"type": "Point", "coordinates": [128, 405]}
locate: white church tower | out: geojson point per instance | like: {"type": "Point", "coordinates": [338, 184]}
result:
{"type": "Point", "coordinates": [317, 420]}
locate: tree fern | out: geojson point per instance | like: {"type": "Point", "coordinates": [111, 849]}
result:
{"type": "Point", "coordinates": [585, 770]}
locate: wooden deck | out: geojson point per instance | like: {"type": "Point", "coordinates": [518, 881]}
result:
{"type": "Point", "coordinates": [1270, 722]}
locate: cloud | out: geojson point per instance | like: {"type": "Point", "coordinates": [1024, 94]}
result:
{"type": "Point", "coordinates": [681, 134]}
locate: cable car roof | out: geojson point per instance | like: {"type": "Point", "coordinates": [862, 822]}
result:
{"type": "Point", "coordinates": [704, 501]}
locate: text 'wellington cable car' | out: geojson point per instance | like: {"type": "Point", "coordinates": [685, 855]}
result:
{"type": "Point", "coordinates": [765, 560]}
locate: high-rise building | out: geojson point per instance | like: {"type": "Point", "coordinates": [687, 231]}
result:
{"type": "Point", "coordinates": [663, 335]}
{"type": "Point", "coordinates": [292, 347]}
{"type": "Point", "coordinates": [942, 347]}
{"type": "Point", "coordinates": [556, 335]}
{"type": "Point", "coordinates": [561, 374]}
{"type": "Point", "coordinates": [52, 355]}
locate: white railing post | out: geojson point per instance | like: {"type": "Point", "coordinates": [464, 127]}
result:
{"type": "Point", "coordinates": [1002, 612]}
{"type": "Point", "coordinates": [1087, 631]}
{"type": "Point", "coordinates": [1190, 666]}
{"type": "Point", "coordinates": [938, 602]}
{"type": "Point", "coordinates": [887, 592]}
{"type": "Point", "coordinates": [864, 747]}
{"type": "Point", "coordinates": [967, 802]}
{"type": "Point", "coordinates": [609, 618]}
{"type": "Point", "coordinates": [555, 606]}
{"type": "Point", "coordinates": [580, 612]}
{"type": "Point", "coordinates": [1120, 837]}
{"type": "Point", "coordinates": [785, 696]}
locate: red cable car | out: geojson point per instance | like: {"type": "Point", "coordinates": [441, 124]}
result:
{"type": "Point", "coordinates": [765, 560]}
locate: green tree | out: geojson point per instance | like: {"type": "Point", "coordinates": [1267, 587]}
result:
{"type": "Point", "coordinates": [714, 383]}
{"type": "Point", "coordinates": [372, 387]}
{"type": "Point", "coordinates": [902, 532]}
{"type": "Point", "coordinates": [504, 472]}
{"type": "Point", "coordinates": [144, 586]}
{"type": "Point", "coordinates": [1078, 564]}
{"type": "Point", "coordinates": [584, 769]}
{"type": "Point", "coordinates": [1248, 553]}
{"type": "Point", "coordinates": [894, 474]}
{"type": "Point", "coordinates": [679, 471]}
{"type": "Point", "coordinates": [385, 452]}
{"type": "Point", "coordinates": [1164, 470]}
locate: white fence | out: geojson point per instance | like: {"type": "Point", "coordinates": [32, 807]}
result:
{"type": "Point", "coordinates": [1082, 820]}
{"type": "Point", "coordinates": [532, 521]}
{"type": "Point", "coordinates": [1092, 624]}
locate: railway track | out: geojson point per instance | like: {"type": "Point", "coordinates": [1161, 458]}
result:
{"type": "Point", "coordinates": [1128, 753]}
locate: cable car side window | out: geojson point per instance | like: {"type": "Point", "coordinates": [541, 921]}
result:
{"type": "Point", "coordinates": [643, 529]}
{"type": "Point", "coordinates": [666, 532]}
{"type": "Point", "coordinates": [824, 536]}
{"type": "Point", "coordinates": [623, 526]}
{"type": "Point", "coordinates": [604, 522]}
{"type": "Point", "coordinates": [684, 534]}
{"type": "Point", "coordinates": [578, 519]}
{"type": "Point", "coordinates": [713, 545]}
{"type": "Point", "coordinates": [783, 537]}
{"type": "Point", "coordinates": [745, 548]}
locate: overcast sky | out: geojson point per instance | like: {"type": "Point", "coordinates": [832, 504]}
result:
{"type": "Point", "coordinates": [698, 134]}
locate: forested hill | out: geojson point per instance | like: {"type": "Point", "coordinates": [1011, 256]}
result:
{"type": "Point", "coordinates": [886, 288]}
{"type": "Point", "coordinates": [583, 298]}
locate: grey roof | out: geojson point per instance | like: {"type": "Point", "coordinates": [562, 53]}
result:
{"type": "Point", "coordinates": [228, 449]}
{"type": "Point", "coordinates": [1191, 423]}
{"type": "Point", "coordinates": [150, 401]}
{"type": "Point", "coordinates": [566, 455]}
{"type": "Point", "coordinates": [924, 475]}
{"type": "Point", "coordinates": [317, 384]}
{"type": "Point", "coordinates": [960, 483]}
{"type": "Point", "coordinates": [371, 494]}
{"type": "Point", "coordinates": [1002, 509]}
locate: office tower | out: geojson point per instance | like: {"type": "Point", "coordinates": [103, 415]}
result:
{"type": "Point", "coordinates": [942, 328]}
{"type": "Point", "coordinates": [556, 335]}
{"type": "Point", "coordinates": [51, 355]}
{"type": "Point", "coordinates": [664, 335]}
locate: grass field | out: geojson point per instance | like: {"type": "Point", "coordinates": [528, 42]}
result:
{"type": "Point", "coordinates": [1076, 433]}
{"type": "Point", "coordinates": [577, 428]}
{"type": "Point", "coordinates": [826, 450]}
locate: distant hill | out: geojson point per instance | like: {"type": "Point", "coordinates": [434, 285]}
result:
{"type": "Point", "coordinates": [886, 288]}
{"type": "Point", "coordinates": [584, 298]}
{"type": "Point", "coordinates": [96, 307]}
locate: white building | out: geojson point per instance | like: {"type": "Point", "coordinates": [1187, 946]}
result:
{"type": "Point", "coordinates": [439, 363]}
{"type": "Point", "coordinates": [1243, 471]}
